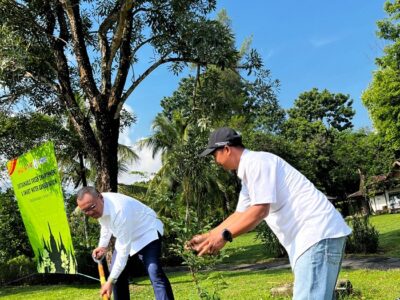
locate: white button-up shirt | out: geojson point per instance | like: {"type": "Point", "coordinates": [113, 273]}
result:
{"type": "Point", "coordinates": [133, 224]}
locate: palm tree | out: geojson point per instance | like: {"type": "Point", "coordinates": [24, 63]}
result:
{"type": "Point", "coordinates": [167, 135]}
{"type": "Point", "coordinates": [194, 181]}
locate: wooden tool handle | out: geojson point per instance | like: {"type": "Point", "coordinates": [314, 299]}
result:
{"type": "Point", "coordinates": [102, 278]}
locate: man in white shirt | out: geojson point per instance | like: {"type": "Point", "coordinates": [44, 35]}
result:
{"type": "Point", "coordinates": [137, 231]}
{"type": "Point", "coordinates": [309, 227]}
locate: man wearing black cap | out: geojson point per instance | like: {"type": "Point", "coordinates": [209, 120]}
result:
{"type": "Point", "coordinates": [312, 231]}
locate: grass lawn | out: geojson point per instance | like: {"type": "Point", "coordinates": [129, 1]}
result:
{"type": "Point", "coordinates": [246, 250]}
{"type": "Point", "coordinates": [368, 284]}
{"type": "Point", "coordinates": [389, 233]}
{"type": "Point", "coordinates": [257, 284]}
{"type": "Point", "coordinates": [237, 285]}
{"type": "Point", "coordinates": [50, 292]}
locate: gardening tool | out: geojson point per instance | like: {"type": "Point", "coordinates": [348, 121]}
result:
{"type": "Point", "coordinates": [101, 273]}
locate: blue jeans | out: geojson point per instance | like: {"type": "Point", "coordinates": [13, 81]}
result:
{"type": "Point", "coordinates": [317, 269]}
{"type": "Point", "coordinates": [150, 257]}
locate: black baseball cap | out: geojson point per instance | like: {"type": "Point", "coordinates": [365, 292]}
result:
{"type": "Point", "coordinates": [220, 138]}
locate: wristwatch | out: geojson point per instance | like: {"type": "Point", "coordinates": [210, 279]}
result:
{"type": "Point", "coordinates": [227, 235]}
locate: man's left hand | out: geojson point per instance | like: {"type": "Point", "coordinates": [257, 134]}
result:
{"type": "Point", "coordinates": [211, 245]}
{"type": "Point", "coordinates": [106, 289]}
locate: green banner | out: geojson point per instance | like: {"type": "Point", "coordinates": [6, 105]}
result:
{"type": "Point", "coordinates": [37, 187]}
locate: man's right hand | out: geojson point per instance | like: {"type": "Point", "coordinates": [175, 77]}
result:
{"type": "Point", "coordinates": [196, 241]}
{"type": "Point", "coordinates": [99, 252]}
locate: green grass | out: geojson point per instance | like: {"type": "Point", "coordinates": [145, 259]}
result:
{"type": "Point", "coordinates": [238, 285]}
{"type": "Point", "coordinates": [50, 292]}
{"type": "Point", "coordinates": [246, 250]}
{"type": "Point", "coordinates": [257, 284]}
{"type": "Point", "coordinates": [368, 284]}
{"type": "Point", "coordinates": [389, 233]}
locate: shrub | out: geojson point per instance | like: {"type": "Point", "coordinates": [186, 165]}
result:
{"type": "Point", "coordinates": [270, 241]}
{"type": "Point", "coordinates": [184, 231]}
{"type": "Point", "coordinates": [364, 238]}
{"type": "Point", "coordinates": [16, 268]}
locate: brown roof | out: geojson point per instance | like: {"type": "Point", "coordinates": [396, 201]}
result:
{"type": "Point", "coordinates": [356, 195]}
{"type": "Point", "coordinates": [378, 178]}
{"type": "Point", "coordinates": [394, 173]}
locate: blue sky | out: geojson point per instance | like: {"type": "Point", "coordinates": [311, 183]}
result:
{"type": "Point", "coordinates": [305, 44]}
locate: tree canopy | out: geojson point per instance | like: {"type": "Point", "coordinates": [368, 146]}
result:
{"type": "Point", "coordinates": [382, 97]}
{"type": "Point", "coordinates": [56, 52]}
{"type": "Point", "coordinates": [333, 109]}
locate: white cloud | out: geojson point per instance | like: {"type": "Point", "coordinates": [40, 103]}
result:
{"type": "Point", "coordinates": [146, 164]}
{"type": "Point", "coordinates": [124, 136]}
{"type": "Point", "coordinates": [320, 42]}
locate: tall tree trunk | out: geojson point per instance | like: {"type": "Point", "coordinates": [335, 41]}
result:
{"type": "Point", "coordinates": [82, 174]}
{"type": "Point", "coordinates": [82, 169]}
{"type": "Point", "coordinates": [365, 206]}
{"type": "Point", "coordinates": [185, 195]}
{"type": "Point", "coordinates": [107, 179]}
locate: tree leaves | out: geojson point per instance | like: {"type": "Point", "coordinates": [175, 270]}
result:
{"type": "Point", "coordinates": [333, 109]}
{"type": "Point", "coordinates": [382, 98]}
{"type": "Point", "coordinates": [52, 51]}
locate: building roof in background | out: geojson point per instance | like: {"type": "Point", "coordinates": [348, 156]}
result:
{"type": "Point", "coordinates": [382, 178]}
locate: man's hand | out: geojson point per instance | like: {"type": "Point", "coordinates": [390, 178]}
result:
{"type": "Point", "coordinates": [212, 244]}
{"type": "Point", "coordinates": [106, 289]}
{"type": "Point", "coordinates": [99, 252]}
{"type": "Point", "coordinates": [194, 243]}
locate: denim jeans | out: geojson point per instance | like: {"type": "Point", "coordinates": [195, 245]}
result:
{"type": "Point", "coordinates": [150, 257]}
{"type": "Point", "coordinates": [317, 269]}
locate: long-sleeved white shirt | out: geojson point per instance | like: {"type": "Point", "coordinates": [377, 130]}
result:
{"type": "Point", "coordinates": [133, 224]}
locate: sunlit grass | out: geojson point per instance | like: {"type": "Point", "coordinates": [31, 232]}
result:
{"type": "Point", "coordinates": [249, 285]}
{"type": "Point", "coordinates": [389, 234]}
{"type": "Point", "coordinates": [246, 249]}
{"type": "Point", "coordinates": [368, 284]}
{"type": "Point", "coordinates": [50, 292]}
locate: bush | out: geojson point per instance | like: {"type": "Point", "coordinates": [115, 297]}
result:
{"type": "Point", "coordinates": [13, 237]}
{"type": "Point", "coordinates": [270, 241]}
{"type": "Point", "coordinates": [184, 231]}
{"type": "Point", "coordinates": [85, 262]}
{"type": "Point", "coordinates": [364, 238]}
{"type": "Point", "coordinates": [16, 268]}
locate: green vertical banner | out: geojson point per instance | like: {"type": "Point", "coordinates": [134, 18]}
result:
{"type": "Point", "coordinates": [37, 187]}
